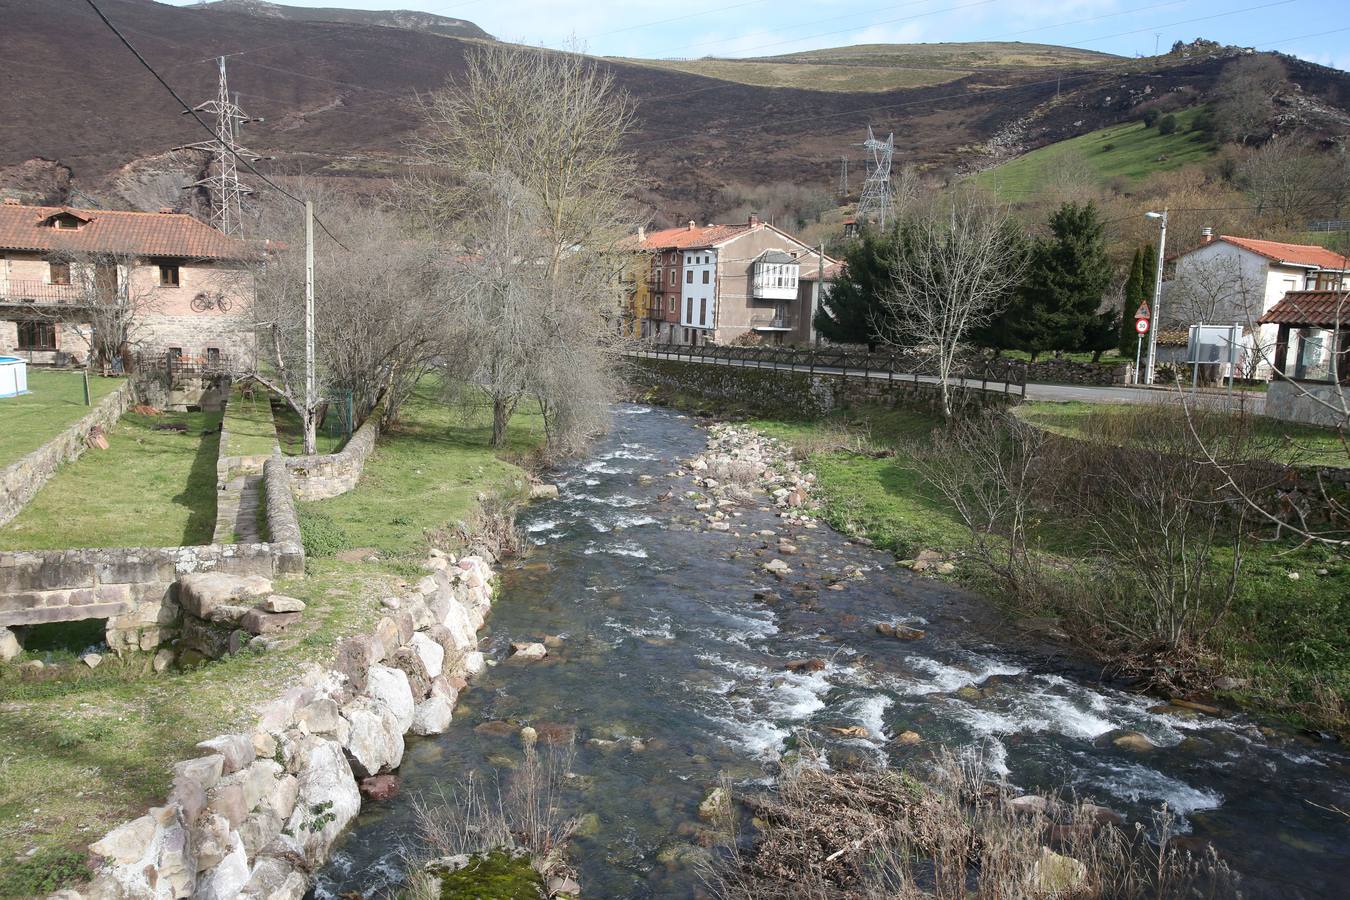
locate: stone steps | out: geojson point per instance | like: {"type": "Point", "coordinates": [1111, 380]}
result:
{"type": "Point", "coordinates": [237, 507]}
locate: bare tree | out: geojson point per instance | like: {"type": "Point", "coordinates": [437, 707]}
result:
{"type": "Point", "coordinates": [522, 162]}
{"type": "Point", "coordinates": [1245, 97]}
{"type": "Point", "coordinates": [953, 272]}
{"type": "Point", "coordinates": [111, 301]}
{"type": "Point", "coordinates": [1290, 183]}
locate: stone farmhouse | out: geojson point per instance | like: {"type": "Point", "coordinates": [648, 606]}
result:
{"type": "Point", "coordinates": [719, 284]}
{"type": "Point", "coordinates": [1227, 280]}
{"type": "Point", "coordinates": [182, 288]}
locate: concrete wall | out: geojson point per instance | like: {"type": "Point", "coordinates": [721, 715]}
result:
{"type": "Point", "coordinates": [1306, 401]}
{"type": "Point", "coordinates": [319, 477]}
{"type": "Point", "coordinates": [20, 481]}
{"type": "Point", "coordinates": [795, 394]}
{"type": "Point", "coordinates": [134, 587]}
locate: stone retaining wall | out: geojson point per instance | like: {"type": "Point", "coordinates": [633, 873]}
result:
{"type": "Point", "coordinates": [260, 810]}
{"type": "Point", "coordinates": [20, 481]}
{"type": "Point", "coordinates": [1061, 371]}
{"type": "Point", "coordinates": [133, 587]}
{"type": "Point", "coordinates": [319, 477]}
{"type": "Point", "coordinates": [797, 394]}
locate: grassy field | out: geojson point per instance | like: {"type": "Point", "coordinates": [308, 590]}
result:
{"type": "Point", "coordinates": [291, 436]}
{"type": "Point", "coordinates": [1286, 442]}
{"type": "Point", "coordinates": [81, 750]}
{"type": "Point", "coordinates": [153, 487]}
{"type": "Point", "coordinates": [1129, 151]}
{"type": "Point", "coordinates": [1285, 637]}
{"type": "Point", "coordinates": [962, 55]}
{"type": "Point", "coordinates": [808, 76]}
{"type": "Point", "coordinates": [248, 424]}
{"type": "Point", "coordinates": [54, 401]}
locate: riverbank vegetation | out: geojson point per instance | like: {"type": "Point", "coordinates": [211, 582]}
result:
{"type": "Point", "coordinates": [1145, 556]}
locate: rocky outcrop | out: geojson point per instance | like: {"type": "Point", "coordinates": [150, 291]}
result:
{"type": "Point", "coordinates": [261, 809]}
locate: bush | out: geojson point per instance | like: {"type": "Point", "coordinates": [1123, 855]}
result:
{"type": "Point", "coordinates": [320, 534]}
{"type": "Point", "coordinates": [1107, 148]}
{"type": "Point", "coordinates": [1167, 124]}
{"type": "Point", "coordinates": [1150, 117]}
{"type": "Point", "coordinates": [43, 872]}
{"type": "Point", "coordinates": [1203, 124]}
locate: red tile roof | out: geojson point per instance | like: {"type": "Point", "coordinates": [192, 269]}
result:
{"type": "Point", "coordinates": [686, 238]}
{"type": "Point", "coordinates": [112, 231]}
{"type": "Point", "coordinates": [1291, 254]}
{"type": "Point", "coordinates": [1317, 309]}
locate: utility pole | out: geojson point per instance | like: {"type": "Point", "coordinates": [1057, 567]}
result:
{"type": "Point", "coordinates": [309, 329]}
{"type": "Point", "coordinates": [820, 290]}
{"type": "Point", "coordinates": [222, 183]}
{"type": "Point", "coordinates": [1156, 321]}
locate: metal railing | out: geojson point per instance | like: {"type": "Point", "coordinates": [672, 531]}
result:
{"type": "Point", "coordinates": [1007, 379]}
{"type": "Point", "coordinates": [178, 364]}
{"type": "Point", "coordinates": [15, 290]}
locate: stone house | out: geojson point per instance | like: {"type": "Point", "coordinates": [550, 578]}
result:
{"type": "Point", "coordinates": [719, 284]}
{"type": "Point", "coordinates": [1227, 280]}
{"type": "Point", "coordinates": [182, 288]}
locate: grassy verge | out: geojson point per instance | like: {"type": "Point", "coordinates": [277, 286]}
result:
{"type": "Point", "coordinates": [248, 424]}
{"type": "Point", "coordinates": [153, 487]}
{"type": "Point", "coordinates": [54, 401]}
{"type": "Point", "coordinates": [81, 750]}
{"type": "Point", "coordinates": [1285, 442]}
{"type": "Point", "coordinates": [1284, 637]}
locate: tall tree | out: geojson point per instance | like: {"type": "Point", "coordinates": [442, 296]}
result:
{"type": "Point", "coordinates": [854, 311]}
{"type": "Point", "coordinates": [1129, 305]}
{"type": "Point", "coordinates": [1066, 278]}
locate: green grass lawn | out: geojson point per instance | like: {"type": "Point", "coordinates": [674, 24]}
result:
{"type": "Point", "coordinates": [1286, 442]}
{"type": "Point", "coordinates": [54, 401]}
{"type": "Point", "coordinates": [292, 437]}
{"type": "Point", "coordinates": [81, 750]}
{"type": "Point", "coordinates": [150, 488]}
{"type": "Point", "coordinates": [1135, 151]}
{"type": "Point", "coordinates": [248, 424]}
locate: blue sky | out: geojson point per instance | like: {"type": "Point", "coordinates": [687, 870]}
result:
{"type": "Point", "coordinates": [1317, 30]}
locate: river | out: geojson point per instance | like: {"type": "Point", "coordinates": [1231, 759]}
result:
{"type": "Point", "coordinates": [664, 641]}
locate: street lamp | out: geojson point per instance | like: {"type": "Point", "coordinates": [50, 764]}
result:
{"type": "Point", "coordinates": [1161, 217]}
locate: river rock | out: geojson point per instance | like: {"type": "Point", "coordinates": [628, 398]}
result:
{"type": "Point", "coordinates": [279, 603]}
{"type": "Point", "coordinates": [326, 784]}
{"type": "Point", "coordinates": [1030, 803]}
{"type": "Point", "coordinates": [380, 787]}
{"type": "Point", "coordinates": [128, 842]}
{"type": "Point", "coordinates": [805, 665]}
{"type": "Point", "coordinates": [777, 567]}
{"type": "Point", "coordinates": [1056, 875]}
{"type": "Point", "coordinates": [899, 632]}
{"type": "Point", "coordinates": [1198, 707]}
{"type": "Point", "coordinates": [274, 879]}
{"type": "Point", "coordinates": [236, 751]}
{"type": "Point", "coordinates": [227, 879]}
{"type": "Point", "coordinates": [319, 716]}
{"type": "Point", "coordinates": [528, 650]}
{"type": "Point", "coordinates": [390, 687]}
{"type": "Point", "coordinates": [375, 740]}
{"type": "Point", "coordinates": [1100, 815]}
{"type": "Point", "coordinates": [201, 592]}
{"type": "Point", "coordinates": [432, 715]}
{"type": "Point", "coordinates": [1134, 741]}
{"type": "Point", "coordinates": [907, 739]}
{"type": "Point", "coordinates": [258, 621]}
{"type": "Point", "coordinates": [716, 805]}
{"type": "Point", "coordinates": [561, 886]}
{"type": "Point", "coordinates": [9, 645]}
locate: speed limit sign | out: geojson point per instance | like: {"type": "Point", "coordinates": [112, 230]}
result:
{"type": "Point", "coordinates": [1141, 326]}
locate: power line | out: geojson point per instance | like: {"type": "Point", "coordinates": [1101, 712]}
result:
{"type": "Point", "coordinates": [198, 119]}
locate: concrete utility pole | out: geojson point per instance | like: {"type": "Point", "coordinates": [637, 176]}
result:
{"type": "Point", "coordinates": [310, 441]}
{"type": "Point", "coordinates": [1157, 293]}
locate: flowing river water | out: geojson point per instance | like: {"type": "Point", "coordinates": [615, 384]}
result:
{"type": "Point", "coordinates": [664, 642]}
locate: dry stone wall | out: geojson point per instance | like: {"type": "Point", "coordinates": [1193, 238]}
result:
{"type": "Point", "coordinates": [261, 809]}
{"type": "Point", "coordinates": [319, 477]}
{"type": "Point", "coordinates": [20, 481]}
{"type": "Point", "coordinates": [793, 394]}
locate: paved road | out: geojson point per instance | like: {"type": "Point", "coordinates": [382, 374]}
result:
{"type": "Point", "coordinates": [1053, 392]}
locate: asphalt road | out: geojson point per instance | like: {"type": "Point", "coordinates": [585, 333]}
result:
{"type": "Point", "coordinates": [1059, 393]}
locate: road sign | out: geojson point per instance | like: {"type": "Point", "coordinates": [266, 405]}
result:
{"type": "Point", "coordinates": [1142, 312]}
{"type": "Point", "coordinates": [1141, 326]}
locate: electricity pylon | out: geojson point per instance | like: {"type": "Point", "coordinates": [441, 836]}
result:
{"type": "Point", "coordinates": [222, 183]}
{"type": "Point", "coordinates": [875, 203]}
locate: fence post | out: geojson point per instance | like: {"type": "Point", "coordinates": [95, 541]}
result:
{"type": "Point", "coordinates": [1024, 381]}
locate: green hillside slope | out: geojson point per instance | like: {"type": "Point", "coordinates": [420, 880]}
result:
{"type": "Point", "coordinates": [1131, 150]}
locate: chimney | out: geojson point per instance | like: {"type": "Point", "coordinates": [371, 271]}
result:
{"type": "Point", "coordinates": [754, 220]}
{"type": "Point", "coordinates": [1206, 234]}
{"type": "Point", "coordinates": [691, 225]}
{"type": "Point", "coordinates": [12, 201]}
{"type": "Point", "coordinates": [642, 232]}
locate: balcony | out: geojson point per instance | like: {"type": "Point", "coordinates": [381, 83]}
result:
{"type": "Point", "coordinates": [779, 320]}
{"type": "Point", "coordinates": [16, 291]}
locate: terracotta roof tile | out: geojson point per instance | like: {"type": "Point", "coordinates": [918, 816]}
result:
{"type": "Point", "coordinates": [686, 238]}
{"type": "Point", "coordinates": [1293, 254]}
{"type": "Point", "coordinates": [1324, 309]}
{"type": "Point", "coordinates": [113, 231]}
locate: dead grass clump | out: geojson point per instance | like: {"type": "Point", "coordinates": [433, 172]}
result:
{"type": "Point", "coordinates": [875, 833]}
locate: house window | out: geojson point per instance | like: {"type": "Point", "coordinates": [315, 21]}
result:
{"type": "Point", "coordinates": [672, 276]}
{"type": "Point", "coordinates": [168, 275]}
{"type": "Point", "coordinates": [689, 277]}
{"type": "Point", "coordinates": [703, 311]}
{"type": "Point", "coordinates": [37, 336]}
{"type": "Point", "coordinates": [705, 276]}
{"type": "Point", "coordinates": [689, 310]}
{"type": "Point", "coordinates": [672, 305]}
{"type": "Point", "coordinates": [66, 222]}
{"type": "Point", "coordinates": [213, 355]}
{"type": "Point", "coordinates": [58, 272]}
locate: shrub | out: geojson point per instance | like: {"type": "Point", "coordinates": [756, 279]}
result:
{"type": "Point", "coordinates": [320, 534]}
{"type": "Point", "coordinates": [1167, 124]}
{"type": "Point", "coordinates": [1108, 147]}
{"type": "Point", "coordinates": [43, 872]}
{"type": "Point", "coordinates": [1150, 117]}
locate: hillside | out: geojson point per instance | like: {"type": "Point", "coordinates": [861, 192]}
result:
{"type": "Point", "coordinates": [1127, 151]}
{"type": "Point", "coordinates": [78, 112]}
{"type": "Point", "coordinates": [407, 19]}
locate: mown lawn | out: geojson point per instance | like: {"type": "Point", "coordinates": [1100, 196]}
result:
{"type": "Point", "coordinates": [248, 423]}
{"type": "Point", "coordinates": [1131, 150]}
{"type": "Point", "coordinates": [54, 401]}
{"type": "Point", "coordinates": [81, 750]}
{"type": "Point", "coordinates": [1285, 442]}
{"type": "Point", "coordinates": [153, 487]}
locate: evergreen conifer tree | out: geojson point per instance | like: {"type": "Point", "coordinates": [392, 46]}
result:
{"type": "Point", "coordinates": [853, 311]}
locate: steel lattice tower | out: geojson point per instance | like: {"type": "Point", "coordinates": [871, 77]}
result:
{"type": "Point", "coordinates": [222, 184]}
{"type": "Point", "coordinates": [875, 203]}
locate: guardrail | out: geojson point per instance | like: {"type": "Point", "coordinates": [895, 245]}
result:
{"type": "Point", "coordinates": [1011, 379]}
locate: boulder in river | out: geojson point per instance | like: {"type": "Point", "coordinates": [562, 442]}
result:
{"type": "Point", "coordinates": [1134, 742]}
{"type": "Point", "coordinates": [805, 665]}
{"type": "Point", "coordinates": [528, 650]}
{"type": "Point", "coordinates": [1055, 875]}
{"type": "Point", "coordinates": [899, 632]}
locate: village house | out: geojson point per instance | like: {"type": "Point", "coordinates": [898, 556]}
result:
{"type": "Point", "coordinates": [1311, 359]}
{"type": "Point", "coordinates": [1236, 280]}
{"type": "Point", "coordinates": [722, 284]}
{"type": "Point", "coordinates": [136, 284]}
